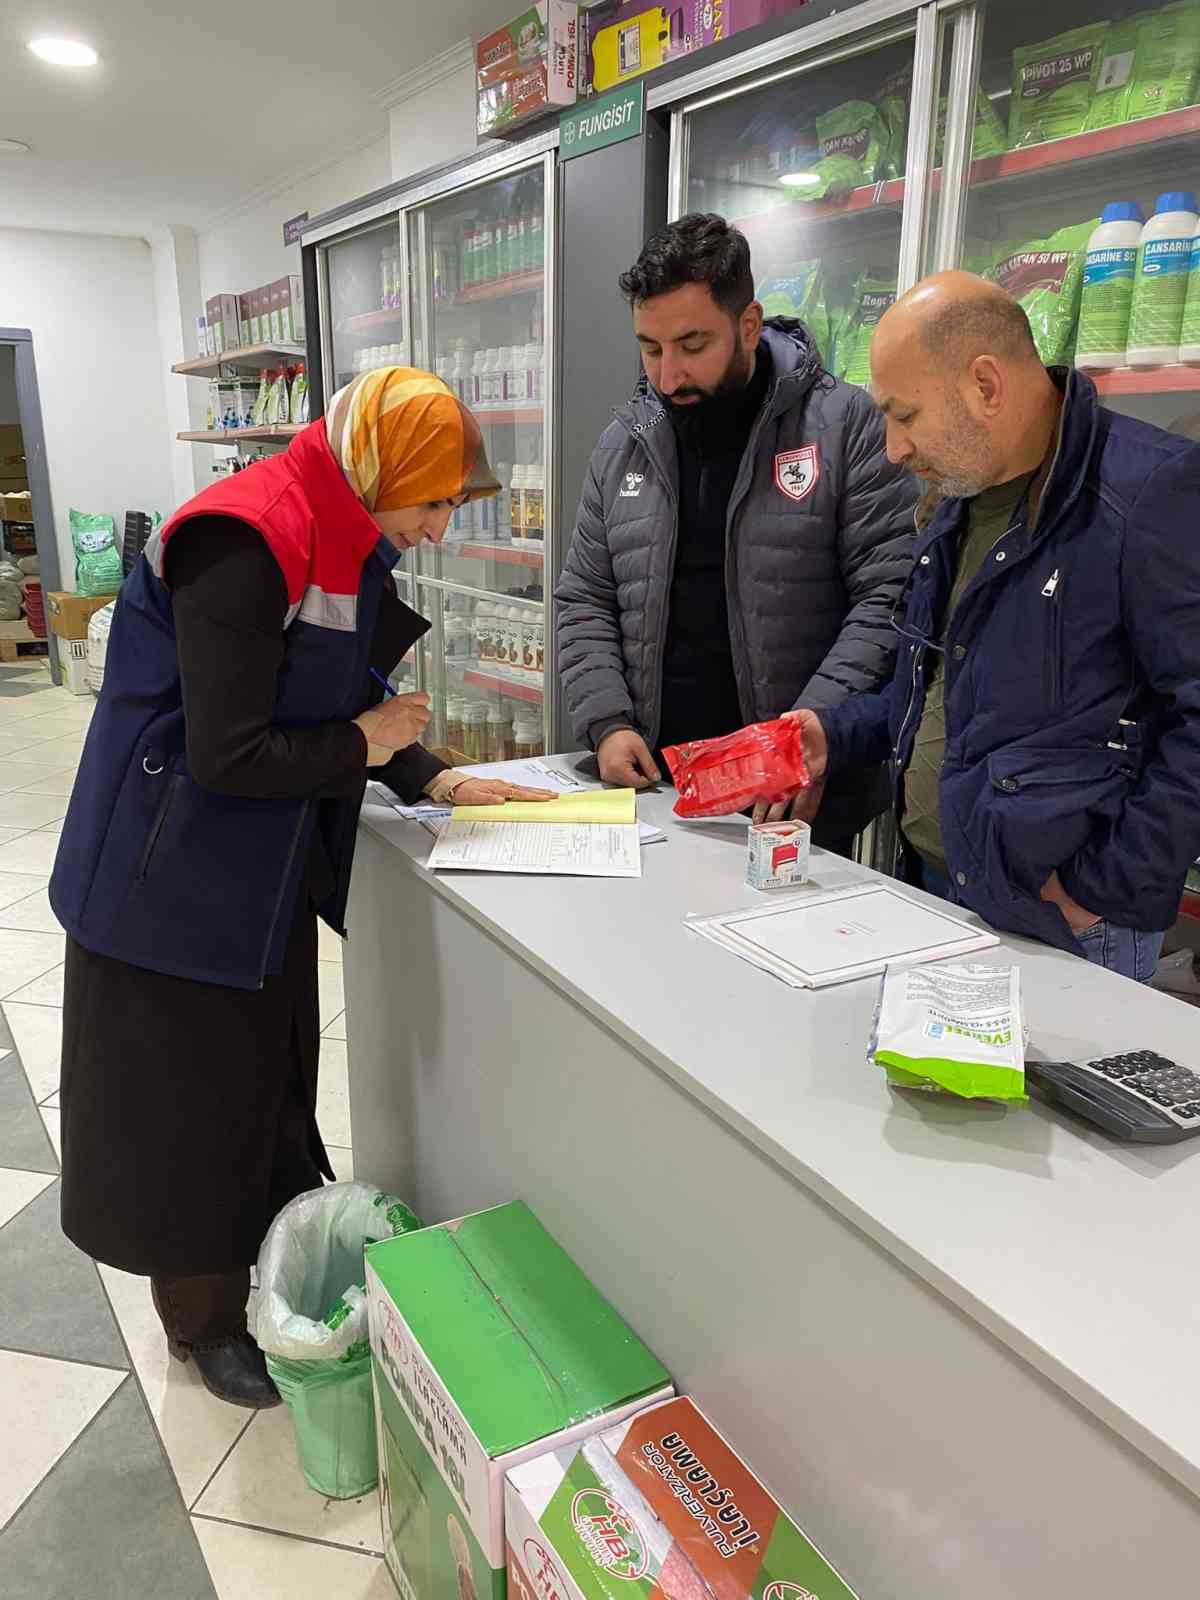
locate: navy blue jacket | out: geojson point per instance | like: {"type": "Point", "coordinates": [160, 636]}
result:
{"type": "Point", "coordinates": [155, 869]}
{"type": "Point", "coordinates": [1072, 685]}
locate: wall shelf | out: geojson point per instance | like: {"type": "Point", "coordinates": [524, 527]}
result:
{"type": "Point", "coordinates": [501, 288]}
{"type": "Point", "coordinates": [369, 321]}
{"type": "Point", "coordinates": [285, 431]}
{"type": "Point", "coordinates": [248, 358]}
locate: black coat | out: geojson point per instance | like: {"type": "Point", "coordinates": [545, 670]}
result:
{"type": "Point", "coordinates": [188, 1109]}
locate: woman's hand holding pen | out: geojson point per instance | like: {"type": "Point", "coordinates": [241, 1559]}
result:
{"type": "Point", "coordinates": [393, 725]}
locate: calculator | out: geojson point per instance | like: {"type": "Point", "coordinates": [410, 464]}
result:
{"type": "Point", "coordinates": [1139, 1095]}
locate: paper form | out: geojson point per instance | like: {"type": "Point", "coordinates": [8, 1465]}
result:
{"type": "Point", "coordinates": [573, 849]}
{"type": "Point", "coordinates": [615, 807]}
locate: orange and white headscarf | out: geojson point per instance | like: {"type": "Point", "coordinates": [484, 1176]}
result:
{"type": "Point", "coordinates": [402, 439]}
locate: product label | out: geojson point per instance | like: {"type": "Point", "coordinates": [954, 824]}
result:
{"type": "Point", "coordinates": [1160, 292]}
{"type": "Point", "coordinates": [1190, 334]}
{"type": "Point", "coordinates": [1033, 269]}
{"type": "Point", "coordinates": [854, 144]}
{"type": "Point", "coordinates": [1043, 77]}
{"type": "Point", "coordinates": [1107, 299]}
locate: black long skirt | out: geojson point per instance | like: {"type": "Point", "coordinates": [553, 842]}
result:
{"type": "Point", "coordinates": [188, 1109]}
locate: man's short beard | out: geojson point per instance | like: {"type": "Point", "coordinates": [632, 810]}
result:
{"type": "Point", "coordinates": [695, 416]}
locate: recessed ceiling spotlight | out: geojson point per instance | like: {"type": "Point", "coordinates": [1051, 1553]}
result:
{"type": "Point", "coordinates": [64, 52]}
{"type": "Point", "coordinates": [13, 147]}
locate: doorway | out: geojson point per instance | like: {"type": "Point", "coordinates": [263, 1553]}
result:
{"type": "Point", "coordinates": [26, 512]}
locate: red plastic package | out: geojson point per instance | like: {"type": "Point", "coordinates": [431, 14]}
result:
{"type": "Point", "coordinates": [716, 777]}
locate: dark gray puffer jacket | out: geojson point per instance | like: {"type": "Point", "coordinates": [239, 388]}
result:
{"type": "Point", "coordinates": [818, 546]}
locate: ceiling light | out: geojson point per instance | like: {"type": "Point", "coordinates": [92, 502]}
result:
{"type": "Point", "coordinates": [64, 52]}
{"type": "Point", "coordinates": [13, 147]}
{"type": "Point", "coordinates": [801, 180]}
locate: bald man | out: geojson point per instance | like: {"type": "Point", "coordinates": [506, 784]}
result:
{"type": "Point", "coordinates": [1043, 723]}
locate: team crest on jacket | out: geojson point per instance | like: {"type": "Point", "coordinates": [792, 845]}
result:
{"type": "Point", "coordinates": [797, 471]}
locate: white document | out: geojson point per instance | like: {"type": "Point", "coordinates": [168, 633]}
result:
{"type": "Point", "coordinates": [574, 849]}
{"type": "Point", "coordinates": [820, 939]}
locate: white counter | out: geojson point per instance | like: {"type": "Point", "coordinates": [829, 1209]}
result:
{"type": "Point", "coordinates": [1072, 1253]}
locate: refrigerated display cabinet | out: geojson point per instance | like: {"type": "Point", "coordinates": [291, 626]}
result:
{"type": "Point", "coordinates": [456, 275]}
{"type": "Point", "coordinates": [944, 170]}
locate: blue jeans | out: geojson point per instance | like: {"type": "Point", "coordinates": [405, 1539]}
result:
{"type": "Point", "coordinates": [1126, 951]}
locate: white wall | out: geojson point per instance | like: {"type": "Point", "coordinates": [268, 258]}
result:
{"type": "Point", "coordinates": [178, 302]}
{"type": "Point", "coordinates": [245, 248]}
{"type": "Point", "coordinates": [89, 301]}
{"type": "Point", "coordinates": [431, 112]}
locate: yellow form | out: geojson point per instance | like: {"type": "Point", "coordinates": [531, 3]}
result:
{"type": "Point", "coordinates": [615, 806]}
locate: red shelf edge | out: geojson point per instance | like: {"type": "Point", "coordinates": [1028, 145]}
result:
{"type": "Point", "coordinates": [1147, 380]}
{"type": "Point", "coordinates": [505, 686]}
{"type": "Point", "coordinates": [489, 416]}
{"type": "Point", "coordinates": [385, 317]}
{"type": "Point", "coordinates": [498, 552]}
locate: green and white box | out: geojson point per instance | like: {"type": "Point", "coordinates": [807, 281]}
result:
{"type": "Point", "coordinates": [489, 1347]}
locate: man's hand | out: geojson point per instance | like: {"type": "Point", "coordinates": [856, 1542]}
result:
{"type": "Point", "coordinates": [801, 804]}
{"type": "Point", "coordinates": [1078, 920]}
{"type": "Point", "coordinates": [396, 723]}
{"type": "Point", "coordinates": [494, 792]}
{"type": "Point", "coordinates": [625, 760]}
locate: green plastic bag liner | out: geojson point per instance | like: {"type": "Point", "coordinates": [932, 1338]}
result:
{"type": "Point", "coordinates": [311, 1321]}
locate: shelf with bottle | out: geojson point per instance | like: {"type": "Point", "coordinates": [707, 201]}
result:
{"type": "Point", "coordinates": [521, 554]}
{"type": "Point", "coordinates": [278, 434]}
{"type": "Point", "coordinates": [245, 358]}
{"type": "Point", "coordinates": [526, 282]}
{"type": "Point", "coordinates": [494, 252]}
{"type": "Point", "coordinates": [1174, 379]}
{"type": "Point", "coordinates": [373, 321]}
{"type": "Point", "coordinates": [502, 384]}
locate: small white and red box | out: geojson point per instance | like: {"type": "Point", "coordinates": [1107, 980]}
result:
{"type": "Point", "coordinates": [777, 854]}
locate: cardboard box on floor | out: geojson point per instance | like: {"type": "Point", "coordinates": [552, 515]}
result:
{"type": "Point", "coordinates": [490, 1346]}
{"type": "Point", "coordinates": [69, 614]}
{"type": "Point", "coordinates": [658, 1506]}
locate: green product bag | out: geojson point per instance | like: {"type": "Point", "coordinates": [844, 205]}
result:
{"type": "Point", "coordinates": [97, 558]}
{"type": "Point", "coordinates": [875, 296]}
{"type": "Point", "coordinates": [311, 1323]}
{"type": "Point", "coordinates": [989, 137]}
{"type": "Point", "coordinates": [1053, 84]}
{"type": "Point", "coordinates": [1110, 103]}
{"type": "Point", "coordinates": [1167, 61]}
{"type": "Point", "coordinates": [801, 295]}
{"type": "Point", "coordinates": [855, 130]}
{"type": "Point", "coordinates": [1046, 277]}
{"type": "Point", "coordinates": [951, 1029]}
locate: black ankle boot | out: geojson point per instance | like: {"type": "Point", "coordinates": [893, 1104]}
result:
{"type": "Point", "coordinates": [236, 1372]}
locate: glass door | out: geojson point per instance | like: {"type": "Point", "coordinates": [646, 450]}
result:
{"type": "Point", "coordinates": [812, 168]}
{"type": "Point", "coordinates": [365, 285]}
{"type": "Point", "coordinates": [1080, 106]}
{"type": "Point", "coordinates": [480, 265]}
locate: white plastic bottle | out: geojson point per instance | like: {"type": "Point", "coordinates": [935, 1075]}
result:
{"type": "Point", "coordinates": [485, 631]}
{"type": "Point", "coordinates": [534, 356]}
{"type": "Point", "coordinates": [462, 384]}
{"type": "Point", "coordinates": [516, 636]}
{"type": "Point", "coordinates": [1189, 338]}
{"type": "Point", "coordinates": [478, 363]}
{"type": "Point", "coordinates": [516, 502]}
{"type": "Point", "coordinates": [503, 501]}
{"type": "Point", "coordinates": [1160, 287]}
{"type": "Point", "coordinates": [1108, 276]}
{"type": "Point", "coordinates": [495, 377]}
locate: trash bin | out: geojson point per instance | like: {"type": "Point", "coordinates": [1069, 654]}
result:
{"type": "Point", "coordinates": [311, 1322]}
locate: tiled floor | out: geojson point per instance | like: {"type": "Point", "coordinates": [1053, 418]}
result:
{"type": "Point", "coordinates": [120, 1476]}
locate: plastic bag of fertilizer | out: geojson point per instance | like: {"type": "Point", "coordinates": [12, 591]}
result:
{"type": "Point", "coordinates": [97, 558]}
{"type": "Point", "coordinates": [893, 101]}
{"type": "Point", "coordinates": [1110, 103]}
{"type": "Point", "coordinates": [1166, 63]}
{"type": "Point", "coordinates": [856, 129]}
{"type": "Point", "coordinates": [952, 1029]}
{"type": "Point", "coordinates": [875, 296]}
{"type": "Point", "coordinates": [989, 138]}
{"type": "Point", "coordinates": [801, 296]}
{"type": "Point", "coordinates": [1053, 84]}
{"type": "Point", "coordinates": [1046, 276]}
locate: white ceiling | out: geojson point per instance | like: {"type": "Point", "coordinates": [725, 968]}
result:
{"type": "Point", "coordinates": [198, 104]}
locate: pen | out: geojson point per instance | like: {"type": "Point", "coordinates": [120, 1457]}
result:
{"type": "Point", "coordinates": [382, 682]}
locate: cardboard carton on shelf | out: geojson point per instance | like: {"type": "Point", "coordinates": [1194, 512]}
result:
{"type": "Point", "coordinates": [287, 311]}
{"type": "Point", "coordinates": [221, 316]}
{"type": "Point", "coordinates": [18, 507]}
{"type": "Point", "coordinates": [627, 38]}
{"type": "Point", "coordinates": [528, 67]}
{"type": "Point", "coordinates": [489, 1346]}
{"type": "Point", "coordinates": [69, 614]}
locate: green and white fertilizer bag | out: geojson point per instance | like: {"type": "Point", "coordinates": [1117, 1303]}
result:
{"type": "Point", "coordinates": [952, 1030]}
{"type": "Point", "coordinates": [1053, 84]}
{"type": "Point", "coordinates": [854, 131]}
{"type": "Point", "coordinates": [1046, 277]}
{"type": "Point", "coordinates": [1110, 103]}
{"type": "Point", "coordinates": [800, 295]}
{"type": "Point", "coordinates": [893, 102]}
{"type": "Point", "coordinates": [311, 1322]}
{"type": "Point", "coordinates": [97, 557]}
{"type": "Point", "coordinates": [1166, 64]}
{"type": "Point", "coordinates": [989, 138]}
{"type": "Point", "coordinates": [875, 295]}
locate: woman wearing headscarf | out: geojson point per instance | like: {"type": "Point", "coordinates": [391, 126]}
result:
{"type": "Point", "coordinates": [213, 820]}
